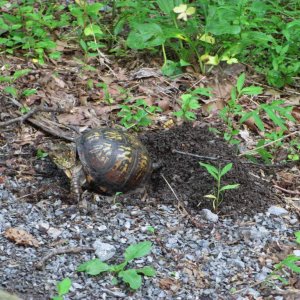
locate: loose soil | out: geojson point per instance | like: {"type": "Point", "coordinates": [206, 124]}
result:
{"type": "Point", "coordinates": [191, 182]}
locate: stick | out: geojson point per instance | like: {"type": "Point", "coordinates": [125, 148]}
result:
{"type": "Point", "coordinates": [195, 155]}
{"type": "Point", "coordinates": [182, 206]}
{"type": "Point", "coordinates": [268, 144]}
{"type": "Point", "coordinates": [33, 111]}
{"type": "Point", "coordinates": [287, 191]}
{"type": "Point", "coordinates": [40, 265]}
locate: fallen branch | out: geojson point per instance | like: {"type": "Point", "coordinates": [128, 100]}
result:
{"type": "Point", "coordinates": [182, 206]}
{"type": "Point", "coordinates": [40, 265]}
{"type": "Point", "coordinates": [287, 191]}
{"type": "Point", "coordinates": [33, 111]}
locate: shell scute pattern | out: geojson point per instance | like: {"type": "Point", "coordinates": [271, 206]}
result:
{"type": "Point", "coordinates": [114, 161]}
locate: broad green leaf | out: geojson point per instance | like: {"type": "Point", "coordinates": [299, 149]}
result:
{"type": "Point", "coordinates": [138, 250]}
{"type": "Point", "coordinates": [252, 90]}
{"type": "Point", "coordinates": [63, 287]}
{"type": "Point", "coordinates": [132, 278]}
{"type": "Point", "coordinates": [93, 267]}
{"type": "Point", "coordinates": [189, 115]}
{"type": "Point", "coordinates": [229, 187]}
{"type": "Point", "coordinates": [146, 35]}
{"type": "Point", "coordinates": [92, 29]}
{"type": "Point", "coordinates": [93, 9]}
{"type": "Point", "coordinates": [240, 82]}
{"type": "Point", "coordinates": [147, 271]}
{"type": "Point", "coordinates": [166, 5]}
{"type": "Point", "coordinates": [222, 28]}
{"type": "Point", "coordinates": [226, 169]}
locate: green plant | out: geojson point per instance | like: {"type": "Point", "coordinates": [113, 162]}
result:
{"type": "Point", "coordinates": [11, 79]}
{"type": "Point", "coordinates": [234, 109]}
{"type": "Point", "coordinates": [217, 174]}
{"type": "Point", "coordinates": [29, 27]}
{"type": "Point", "coordinates": [137, 114]}
{"type": "Point", "coordinates": [130, 276]}
{"type": "Point", "coordinates": [190, 102]}
{"type": "Point", "coordinates": [291, 262]}
{"type": "Point", "coordinates": [40, 154]}
{"type": "Point", "coordinates": [63, 287]}
{"type": "Point", "coordinates": [151, 229]}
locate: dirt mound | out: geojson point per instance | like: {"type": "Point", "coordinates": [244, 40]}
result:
{"type": "Point", "coordinates": [192, 182]}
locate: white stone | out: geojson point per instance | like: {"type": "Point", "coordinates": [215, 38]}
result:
{"type": "Point", "coordinates": [277, 210]}
{"type": "Point", "coordinates": [209, 216]}
{"type": "Point", "coordinates": [104, 251]}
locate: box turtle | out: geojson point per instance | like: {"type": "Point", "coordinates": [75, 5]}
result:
{"type": "Point", "coordinates": [109, 160]}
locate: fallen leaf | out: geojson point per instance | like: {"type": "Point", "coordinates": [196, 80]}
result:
{"type": "Point", "coordinates": [21, 237]}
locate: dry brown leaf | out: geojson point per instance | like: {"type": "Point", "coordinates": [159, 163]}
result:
{"type": "Point", "coordinates": [213, 107]}
{"type": "Point", "coordinates": [296, 113]}
{"type": "Point", "coordinates": [21, 237]}
{"type": "Point", "coordinates": [169, 284]}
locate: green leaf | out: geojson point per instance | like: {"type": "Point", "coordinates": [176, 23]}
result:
{"type": "Point", "coordinates": [146, 35]}
{"type": "Point", "coordinates": [252, 90]}
{"type": "Point", "coordinates": [240, 82]}
{"type": "Point", "coordinates": [11, 90]}
{"type": "Point", "coordinates": [41, 154]}
{"type": "Point", "coordinates": [93, 9]}
{"type": "Point", "coordinates": [29, 92]}
{"type": "Point", "coordinates": [92, 29]}
{"type": "Point", "coordinates": [213, 171]}
{"type": "Point", "coordinates": [63, 287]}
{"type": "Point", "coordinates": [21, 73]}
{"type": "Point", "coordinates": [138, 250]}
{"type": "Point", "coordinates": [119, 267]}
{"type": "Point", "coordinates": [170, 68]}
{"type": "Point", "coordinates": [226, 169]}
{"type": "Point", "coordinates": [297, 235]}
{"type": "Point", "coordinates": [290, 262]}
{"type": "Point", "coordinates": [229, 187]}
{"type": "Point", "coordinates": [93, 267]}
{"type": "Point", "coordinates": [147, 271]}
{"type": "Point", "coordinates": [131, 277]}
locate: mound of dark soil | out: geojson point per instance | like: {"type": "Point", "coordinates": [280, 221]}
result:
{"type": "Point", "coordinates": [192, 182]}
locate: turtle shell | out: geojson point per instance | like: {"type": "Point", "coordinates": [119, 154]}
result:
{"type": "Point", "coordinates": [113, 160]}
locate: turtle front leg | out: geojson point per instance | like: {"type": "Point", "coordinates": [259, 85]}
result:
{"type": "Point", "coordinates": [77, 180]}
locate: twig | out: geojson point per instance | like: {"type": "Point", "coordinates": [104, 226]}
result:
{"type": "Point", "coordinates": [268, 144]}
{"type": "Point", "coordinates": [182, 206]}
{"type": "Point", "coordinates": [40, 265]}
{"type": "Point", "coordinates": [287, 191]}
{"type": "Point", "coordinates": [196, 155]}
{"type": "Point", "coordinates": [33, 111]}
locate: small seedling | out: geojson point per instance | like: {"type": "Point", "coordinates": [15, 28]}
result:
{"type": "Point", "coordinates": [130, 276]}
{"type": "Point", "coordinates": [217, 174]}
{"type": "Point", "coordinates": [151, 229]}
{"type": "Point", "coordinates": [40, 154]}
{"type": "Point", "coordinates": [63, 287]}
{"type": "Point", "coordinates": [291, 262]}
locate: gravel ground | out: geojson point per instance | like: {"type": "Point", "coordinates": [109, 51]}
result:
{"type": "Point", "coordinates": [223, 258]}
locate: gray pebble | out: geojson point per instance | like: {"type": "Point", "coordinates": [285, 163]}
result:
{"type": "Point", "coordinates": [104, 251]}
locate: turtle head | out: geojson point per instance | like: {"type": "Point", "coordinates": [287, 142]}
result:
{"type": "Point", "coordinates": [64, 157]}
